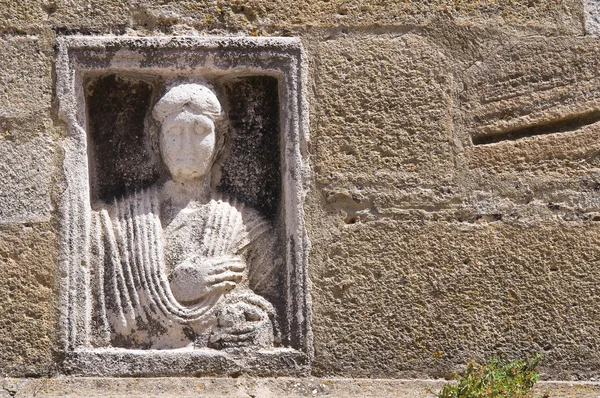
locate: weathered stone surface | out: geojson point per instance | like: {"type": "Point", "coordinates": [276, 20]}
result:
{"type": "Point", "coordinates": [418, 299]}
{"type": "Point", "coordinates": [277, 16]}
{"type": "Point", "coordinates": [529, 82]}
{"type": "Point", "coordinates": [263, 387]}
{"type": "Point", "coordinates": [28, 297]}
{"type": "Point", "coordinates": [20, 15]}
{"type": "Point", "coordinates": [257, 16]}
{"type": "Point", "coordinates": [64, 15]}
{"type": "Point", "coordinates": [427, 250]}
{"type": "Point", "coordinates": [211, 387]}
{"type": "Point", "coordinates": [27, 162]}
{"type": "Point", "coordinates": [25, 76]}
{"type": "Point", "coordinates": [382, 122]}
{"type": "Point", "coordinates": [27, 158]}
{"type": "Point", "coordinates": [106, 16]}
{"type": "Point", "coordinates": [486, 266]}
{"type": "Point", "coordinates": [535, 102]}
{"type": "Point", "coordinates": [592, 17]}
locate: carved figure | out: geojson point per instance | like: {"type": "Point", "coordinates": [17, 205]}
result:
{"type": "Point", "coordinates": [171, 262]}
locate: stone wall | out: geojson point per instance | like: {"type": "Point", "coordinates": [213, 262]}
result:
{"type": "Point", "coordinates": [455, 185]}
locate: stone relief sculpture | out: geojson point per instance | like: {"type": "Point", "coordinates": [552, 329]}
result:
{"type": "Point", "coordinates": [171, 261]}
{"type": "Point", "coordinates": [183, 250]}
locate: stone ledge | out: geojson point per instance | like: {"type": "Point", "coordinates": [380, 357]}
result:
{"type": "Point", "coordinates": [193, 362]}
{"type": "Point", "coordinates": [254, 387]}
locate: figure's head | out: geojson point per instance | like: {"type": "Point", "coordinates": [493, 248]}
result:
{"type": "Point", "coordinates": [187, 114]}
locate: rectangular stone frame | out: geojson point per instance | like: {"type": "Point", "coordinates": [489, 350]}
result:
{"type": "Point", "coordinates": [279, 57]}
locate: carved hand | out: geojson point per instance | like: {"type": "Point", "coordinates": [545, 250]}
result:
{"type": "Point", "coordinates": [196, 278]}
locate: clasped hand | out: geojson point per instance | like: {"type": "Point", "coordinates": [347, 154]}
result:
{"type": "Point", "coordinates": [197, 278]}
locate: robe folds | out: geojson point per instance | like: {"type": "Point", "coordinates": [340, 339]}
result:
{"type": "Point", "coordinates": [133, 305]}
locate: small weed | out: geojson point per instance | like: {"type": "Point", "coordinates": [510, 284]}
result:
{"type": "Point", "coordinates": [497, 379]}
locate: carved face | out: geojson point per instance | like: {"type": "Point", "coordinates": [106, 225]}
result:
{"type": "Point", "coordinates": [187, 145]}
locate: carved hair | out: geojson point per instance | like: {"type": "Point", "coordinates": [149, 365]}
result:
{"type": "Point", "coordinates": [196, 98]}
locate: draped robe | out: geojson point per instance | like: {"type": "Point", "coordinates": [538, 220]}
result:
{"type": "Point", "coordinates": [133, 304]}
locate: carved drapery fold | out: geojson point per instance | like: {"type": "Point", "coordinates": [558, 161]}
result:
{"type": "Point", "coordinates": [132, 290]}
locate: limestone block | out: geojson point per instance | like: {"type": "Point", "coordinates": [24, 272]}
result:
{"type": "Point", "coordinates": [381, 122]}
{"type": "Point", "coordinates": [25, 76]}
{"type": "Point", "coordinates": [21, 15]}
{"type": "Point", "coordinates": [395, 299]}
{"type": "Point", "coordinates": [527, 117]}
{"type": "Point", "coordinates": [530, 82]}
{"type": "Point", "coordinates": [100, 15]}
{"type": "Point", "coordinates": [31, 15]}
{"type": "Point", "coordinates": [188, 387]}
{"type": "Point", "coordinates": [382, 106]}
{"type": "Point", "coordinates": [258, 16]}
{"type": "Point", "coordinates": [277, 16]}
{"type": "Point", "coordinates": [27, 158]}
{"type": "Point", "coordinates": [28, 313]}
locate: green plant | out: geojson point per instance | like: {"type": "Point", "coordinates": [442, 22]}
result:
{"type": "Point", "coordinates": [496, 379]}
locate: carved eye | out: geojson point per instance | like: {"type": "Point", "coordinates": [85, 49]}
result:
{"type": "Point", "coordinates": [202, 128]}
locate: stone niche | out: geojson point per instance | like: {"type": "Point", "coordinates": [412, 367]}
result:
{"type": "Point", "coordinates": [183, 248]}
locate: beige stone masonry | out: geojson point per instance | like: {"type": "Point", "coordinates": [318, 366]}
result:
{"type": "Point", "coordinates": [454, 191]}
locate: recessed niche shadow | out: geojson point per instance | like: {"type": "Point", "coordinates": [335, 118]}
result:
{"type": "Point", "coordinates": [122, 155]}
{"type": "Point", "coordinates": [123, 149]}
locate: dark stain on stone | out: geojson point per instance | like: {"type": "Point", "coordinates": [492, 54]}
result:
{"type": "Point", "coordinates": [251, 172]}
{"type": "Point", "coordinates": [121, 158]}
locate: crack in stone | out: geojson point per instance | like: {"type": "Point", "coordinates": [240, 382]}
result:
{"type": "Point", "coordinates": [569, 123]}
